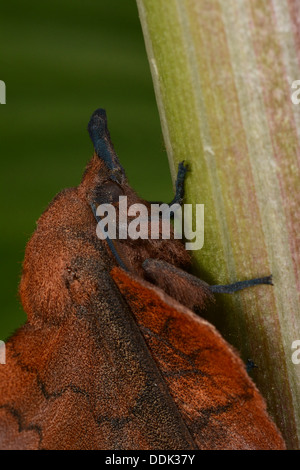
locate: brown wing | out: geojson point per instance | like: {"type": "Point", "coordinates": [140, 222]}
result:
{"type": "Point", "coordinates": [79, 374]}
{"type": "Point", "coordinates": [218, 401]}
{"type": "Point", "coordinates": [87, 381]}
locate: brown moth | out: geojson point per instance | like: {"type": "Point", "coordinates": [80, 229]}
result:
{"type": "Point", "coordinates": [112, 355]}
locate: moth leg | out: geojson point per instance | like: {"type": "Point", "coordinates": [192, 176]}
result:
{"type": "Point", "coordinates": [250, 365]}
{"type": "Point", "coordinates": [188, 289]}
{"type": "Point", "coordinates": [182, 286]}
{"type": "Point", "coordinates": [179, 185]}
{"type": "Point", "coordinates": [236, 286]}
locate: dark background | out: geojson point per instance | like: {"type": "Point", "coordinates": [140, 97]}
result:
{"type": "Point", "coordinates": [60, 61]}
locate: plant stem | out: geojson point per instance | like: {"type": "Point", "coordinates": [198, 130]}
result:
{"type": "Point", "coordinates": [222, 72]}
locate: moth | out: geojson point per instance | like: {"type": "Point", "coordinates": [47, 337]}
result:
{"type": "Point", "coordinates": [112, 355]}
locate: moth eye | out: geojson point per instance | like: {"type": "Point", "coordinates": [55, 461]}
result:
{"type": "Point", "coordinates": [108, 193]}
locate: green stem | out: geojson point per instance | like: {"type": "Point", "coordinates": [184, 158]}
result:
{"type": "Point", "coordinates": [222, 72]}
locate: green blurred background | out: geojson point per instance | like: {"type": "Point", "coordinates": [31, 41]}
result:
{"type": "Point", "coordinates": [60, 60]}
